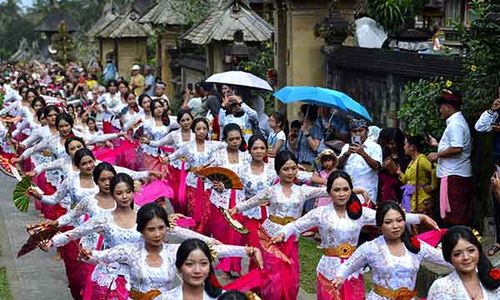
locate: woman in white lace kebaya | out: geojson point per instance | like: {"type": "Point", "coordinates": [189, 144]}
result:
{"type": "Point", "coordinates": [153, 130]}
{"type": "Point", "coordinates": [286, 201]}
{"type": "Point", "coordinates": [256, 177]}
{"type": "Point", "coordinates": [177, 169]}
{"type": "Point", "coordinates": [394, 257]}
{"type": "Point", "coordinates": [151, 261]}
{"type": "Point", "coordinates": [474, 277]}
{"type": "Point", "coordinates": [194, 263]}
{"type": "Point", "coordinates": [197, 154]}
{"type": "Point", "coordinates": [339, 223]}
{"type": "Point", "coordinates": [77, 185]}
{"type": "Point", "coordinates": [221, 198]}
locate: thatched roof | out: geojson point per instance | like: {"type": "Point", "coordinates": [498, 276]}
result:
{"type": "Point", "coordinates": [102, 23]}
{"type": "Point", "coordinates": [125, 26]}
{"type": "Point", "coordinates": [51, 22]}
{"type": "Point", "coordinates": [221, 25]}
{"type": "Point", "coordinates": [164, 13]}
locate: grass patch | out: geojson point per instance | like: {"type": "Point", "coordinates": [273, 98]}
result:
{"type": "Point", "coordinates": [309, 256]}
{"type": "Point", "coordinates": [4, 285]}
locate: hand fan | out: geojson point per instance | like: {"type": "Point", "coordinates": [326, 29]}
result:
{"type": "Point", "coordinates": [230, 179]}
{"type": "Point", "coordinates": [6, 167]}
{"type": "Point", "coordinates": [39, 233]}
{"type": "Point", "coordinates": [20, 194]}
{"type": "Point", "coordinates": [235, 224]}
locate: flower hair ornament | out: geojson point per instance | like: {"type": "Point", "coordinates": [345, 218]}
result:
{"type": "Point", "coordinates": [495, 274]}
{"type": "Point", "coordinates": [415, 242]}
{"type": "Point", "coordinates": [354, 207]}
{"type": "Point", "coordinates": [213, 253]}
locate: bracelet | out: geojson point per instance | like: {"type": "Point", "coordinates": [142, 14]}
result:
{"type": "Point", "coordinates": [308, 135]}
{"type": "Point", "coordinates": [252, 252]}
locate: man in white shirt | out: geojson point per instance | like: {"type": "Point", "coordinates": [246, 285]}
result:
{"type": "Point", "coordinates": [362, 159]}
{"type": "Point", "coordinates": [454, 165]}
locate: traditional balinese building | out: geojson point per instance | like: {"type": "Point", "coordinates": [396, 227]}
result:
{"type": "Point", "coordinates": [49, 26]}
{"type": "Point", "coordinates": [298, 59]}
{"type": "Point", "coordinates": [166, 18]}
{"type": "Point", "coordinates": [121, 37]}
{"type": "Point", "coordinates": [228, 34]}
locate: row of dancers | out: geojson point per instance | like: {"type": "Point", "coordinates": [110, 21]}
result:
{"type": "Point", "coordinates": [88, 192]}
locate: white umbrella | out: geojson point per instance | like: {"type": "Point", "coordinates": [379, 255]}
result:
{"type": "Point", "coordinates": [369, 34]}
{"type": "Point", "coordinates": [240, 78]}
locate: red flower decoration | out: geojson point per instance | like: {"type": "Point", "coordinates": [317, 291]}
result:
{"type": "Point", "coordinates": [354, 207]}
{"type": "Point", "coordinates": [415, 242]}
{"type": "Point", "coordinates": [495, 273]}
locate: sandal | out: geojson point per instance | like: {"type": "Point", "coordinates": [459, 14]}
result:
{"type": "Point", "coordinates": [494, 249]}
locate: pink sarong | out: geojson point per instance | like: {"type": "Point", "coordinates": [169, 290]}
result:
{"type": "Point", "coordinates": [223, 232]}
{"type": "Point", "coordinates": [444, 202]}
{"type": "Point", "coordinates": [281, 262]}
{"type": "Point", "coordinates": [352, 289]}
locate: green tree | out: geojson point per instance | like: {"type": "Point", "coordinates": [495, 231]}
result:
{"type": "Point", "coordinates": [13, 27]}
{"type": "Point", "coordinates": [481, 64]}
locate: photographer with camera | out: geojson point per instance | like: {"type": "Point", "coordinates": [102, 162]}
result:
{"type": "Point", "coordinates": [362, 159]}
{"type": "Point", "coordinates": [234, 110]}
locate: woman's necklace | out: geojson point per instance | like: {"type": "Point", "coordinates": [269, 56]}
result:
{"type": "Point", "coordinates": [474, 290]}
{"type": "Point", "coordinates": [155, 260]}
{"type": "Point", "coordinates": [232, 157]}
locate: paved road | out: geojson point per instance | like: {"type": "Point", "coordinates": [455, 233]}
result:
{"type": "Point", "coordinates": [36, 275]}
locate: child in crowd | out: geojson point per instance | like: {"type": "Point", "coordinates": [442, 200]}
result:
{"type": "Point", "coordinates": [277, 138]}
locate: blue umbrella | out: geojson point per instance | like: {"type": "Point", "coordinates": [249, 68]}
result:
{"type": "Point", "coordinates": [321, 96]}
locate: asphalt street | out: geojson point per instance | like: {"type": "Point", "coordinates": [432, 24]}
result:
{"type": "Point", "coordinates": [36, 275]}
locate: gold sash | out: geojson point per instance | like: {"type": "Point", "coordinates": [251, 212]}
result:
{"type": "Point", "coordinates": [344, 250]}
{"type": "Point", "coordinates": [399, 294]}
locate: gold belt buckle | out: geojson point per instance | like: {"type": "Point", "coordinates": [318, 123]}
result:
{"type": "Point", "coordinates": [46, 152]}
{"type": "Point", "coordinates": [345, 250]}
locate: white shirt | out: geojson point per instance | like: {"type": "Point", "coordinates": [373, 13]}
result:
{"type": "Point", "coordinates": [456, 134]}
{"type": "Point", "coordinates": [362, 175]}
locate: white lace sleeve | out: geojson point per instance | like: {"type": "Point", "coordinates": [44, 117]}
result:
{"type": "Point", "coordinates": [34, 137]}
{"type": "Point", "coordinates": [80, 209]}
{"type": "Point", "coordinates": [166, 140]}
{"type": "Point", "coordinates": [60, 193]}
{"type": "Point", "coordinates": [309, 220]}
{"type": "Point", "coordinates": [55, 164]}
{"type": "Point", "coordinates": [230, 251]}
{"type": "Point", "coordinates": [96, 225]}
{"type": "Point", "coordinates": [303, 176]}
{"type": "Point", "coordinates": [355, 263]}
{"type": "Point", "coordinates": [255, 201]}
{"type": "Point", "coordinates": [433, 255]}
{"type": "Point", "coordinates": [412, 218]}
{"type": "Point", "coordinates": [184, 234]}
{"type": "Point", "coordinates": [36, 148]}
{"type": "Point", "coordinates": [314, 192]}
{"type": "Point", "coordinates": [136, 175]}
{"type": "Point", "coordinates": [99, 138]}
{"type": "Point", "coordinates": [120, 254]}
